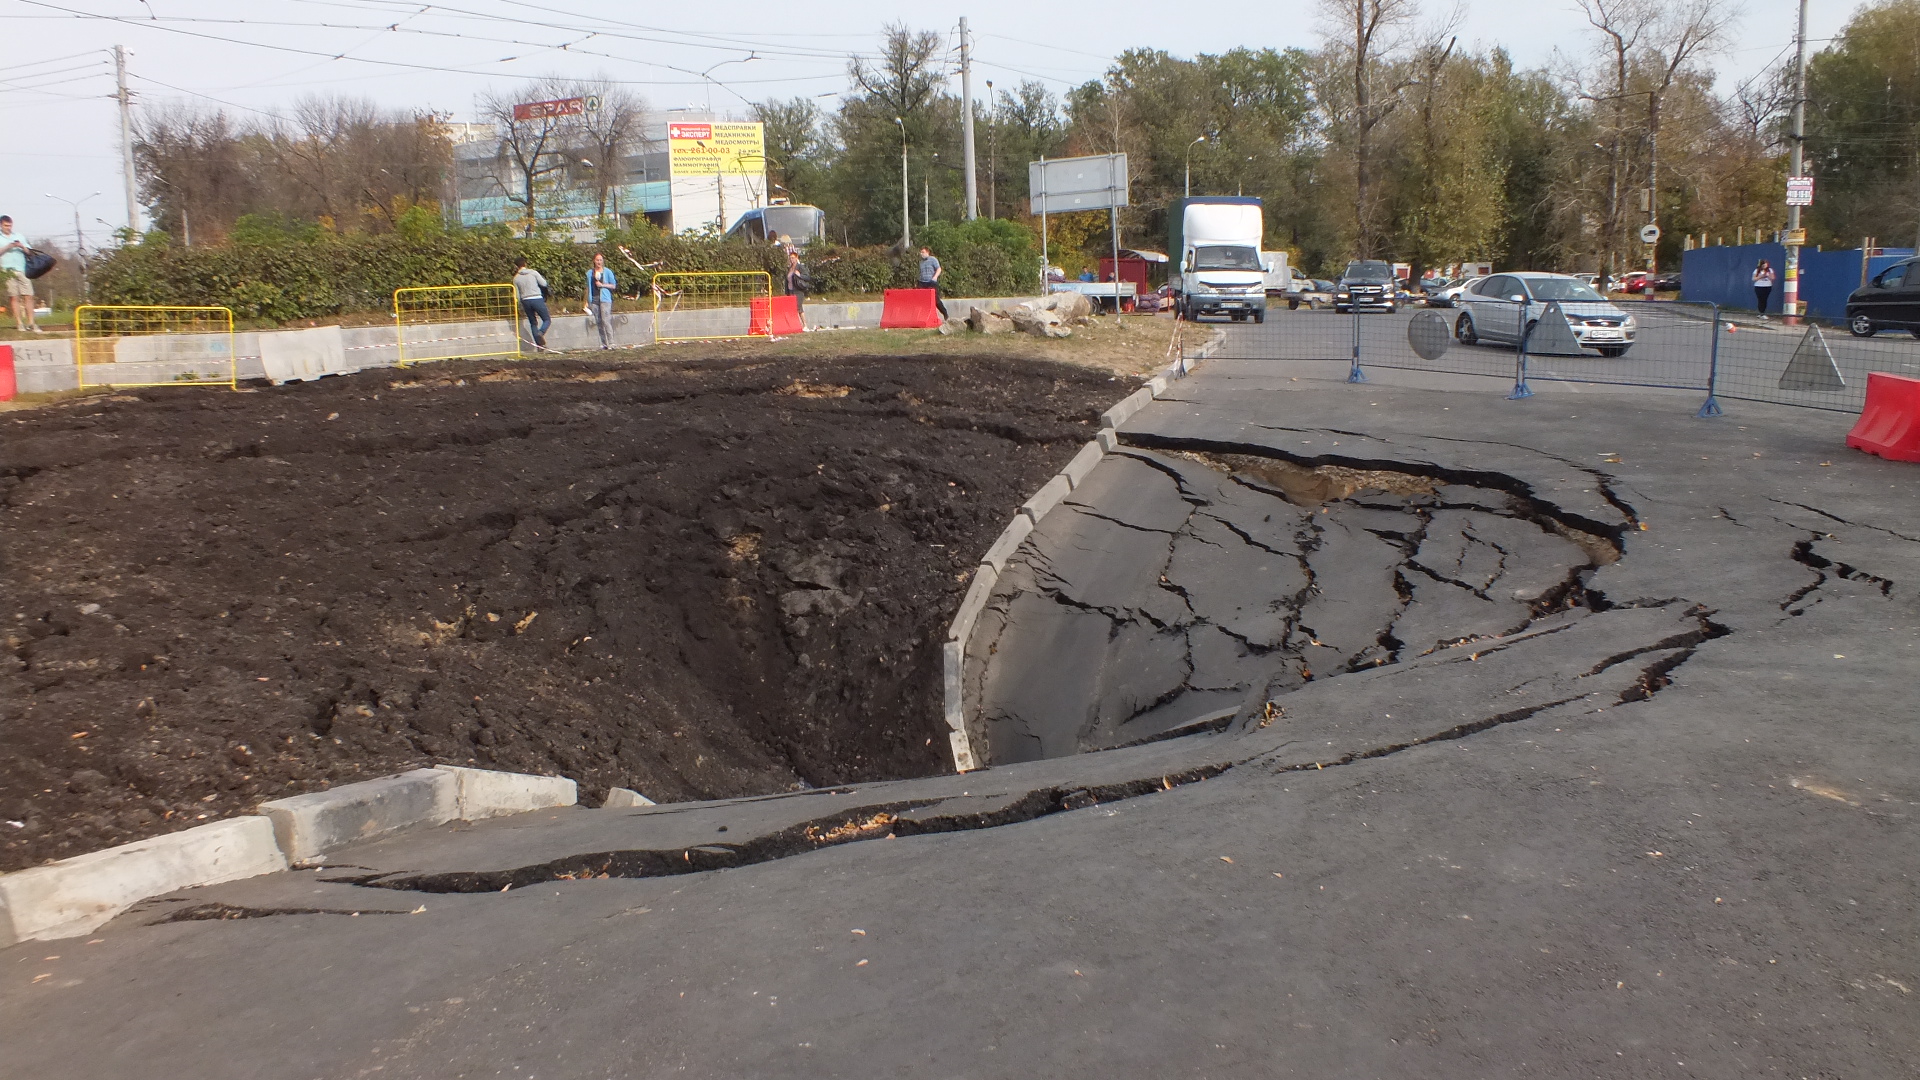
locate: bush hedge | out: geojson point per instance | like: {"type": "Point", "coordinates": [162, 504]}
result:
{"type": "Point", "coordinates": [279, 272]}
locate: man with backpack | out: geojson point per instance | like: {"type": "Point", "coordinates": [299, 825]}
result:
{"type": "Point", "coordinates": [13, 263]}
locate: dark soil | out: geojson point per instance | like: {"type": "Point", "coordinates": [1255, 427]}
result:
{"type": "Point", "coordinates": [703, 579]}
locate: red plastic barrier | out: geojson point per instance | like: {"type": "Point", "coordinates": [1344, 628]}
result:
{"type": "Point", "coordinates": [9, 386]}
{"type": "Point", "coordinates": [783, 320]}
{"type": "Point", "coordinates": [909, 309]}
{"type": "Point", "coordinates": [1889, 426]}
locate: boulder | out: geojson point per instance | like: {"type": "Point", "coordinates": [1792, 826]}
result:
{"type": "Point", "coordinates": [1029, 317]}
{"type": "Point", "coordinates": [1073, 308]}
{"type": "Point", "coordinates": [982, 321]}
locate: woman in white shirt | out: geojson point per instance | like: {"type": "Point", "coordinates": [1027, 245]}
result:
{"type": "Point", "coordinates": [1762, 285]}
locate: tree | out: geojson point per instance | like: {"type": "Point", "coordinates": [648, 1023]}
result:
{"type": "Point", "coordinates": [529, 149]}
{"type": "Point", "coordinates": [606, 136]}
{"type": "Point", "coordinates": [1863, 124]}
{"type": "Point", "coordinates": [1363, 42]}
{"type": "Point", "coordinates": [793, 142]}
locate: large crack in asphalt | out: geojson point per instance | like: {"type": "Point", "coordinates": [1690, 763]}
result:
{"type": "Point", "coordinates": [1257, 569]}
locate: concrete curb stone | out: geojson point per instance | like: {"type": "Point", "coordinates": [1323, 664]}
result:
{"type": "Point", "coordinates": [624, 798]}
{"type": "Point", "coordinates": [484, 793]}
{"type": "Point", "coordinates": [1009, 542]}
{"type": "Point", "coordinates": [1126, 407]}
{"type": "Point", "coordinates": [308, 826]}
{"type": "Point", "coordinates": [984, 579]}
{"type": "Point", "coordinates": [1046, 498]}
{"type": "Point", "coordinates": [1083, 463]}
{"type": "Point", "coordinates": [78, 895]}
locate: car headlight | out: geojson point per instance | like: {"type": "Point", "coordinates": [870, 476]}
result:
{"type": "Point", "coordinates": [1630, 324]}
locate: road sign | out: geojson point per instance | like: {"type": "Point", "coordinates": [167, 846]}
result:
{"type": "Point", "coordinates": [1080, 183]}
{"type": "Point", "coordinates": [1799, 191]}
{"type": "Point", "coordinates": [1650, 234]}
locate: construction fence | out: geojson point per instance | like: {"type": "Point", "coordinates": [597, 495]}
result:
{"type": "Point", "coordinates": [1667, 345]}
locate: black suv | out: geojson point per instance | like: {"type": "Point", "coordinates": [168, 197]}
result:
{"type": "Point", "coordinates": [1367, 283]}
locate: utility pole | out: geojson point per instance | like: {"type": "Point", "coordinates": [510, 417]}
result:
{"type": "Point", "coordinates": [966, 121]}
{"type": "Point", "coordinates": [126, 134]}
{"type": "Point", "coordinates": [1790, 297]}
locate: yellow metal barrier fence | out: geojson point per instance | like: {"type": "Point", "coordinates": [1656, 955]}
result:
{"type": "Point", "coordinates": [705, 306]}
{"type": "Point", "coordinates": [153, 345]}
{"type": "Point", "coordinates": [444, 322]}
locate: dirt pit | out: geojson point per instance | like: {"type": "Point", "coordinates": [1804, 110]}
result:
{"type": "Point", "coordinates": [697, 579]}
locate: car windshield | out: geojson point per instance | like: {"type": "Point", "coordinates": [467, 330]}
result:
{"type": "Point", "coordinates": [1561, 289]}
{"type": "Point", "coordinates": [1226, 258]}
{"type": "Point", "coordinates": [1368, 271]}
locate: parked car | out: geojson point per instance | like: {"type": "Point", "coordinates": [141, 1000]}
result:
{"type": "Point", "coordinates": [1631, 281]}
{"type": "Point", "coordinates": [1891, 301]}
{"type": "Point", "coordinates": [1367, 283]}
{"type": "Point", "coordinates": [1450, 296]}
{"type": "Point", "coordinates": [1494, 310]}
{"type": "Point", "coordinates": [1667, 282]}
{"type": "Point", "coordinates": [1314, 293]}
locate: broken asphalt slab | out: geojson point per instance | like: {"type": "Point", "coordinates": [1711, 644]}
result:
{"type": "Point", "coordinates": [1665, 833]}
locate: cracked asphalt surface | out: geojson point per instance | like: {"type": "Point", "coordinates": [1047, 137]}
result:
{"type": "Point", "coordinates": [1606, 767]}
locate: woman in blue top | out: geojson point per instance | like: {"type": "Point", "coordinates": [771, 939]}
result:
{"type": "Point", "coordinates": [600, 286]}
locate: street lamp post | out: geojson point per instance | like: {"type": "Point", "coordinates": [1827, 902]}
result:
{"type": "Point", "coordinates": [906, 215]}
{"type": "Point", "coordinates": [993, 160]}
{"type": "Point", "coordinates": [79, 239]}
{"type": "Point", "coordinates": [1190, 147]}
{"type": "Point", "coordinates": [707, 75]}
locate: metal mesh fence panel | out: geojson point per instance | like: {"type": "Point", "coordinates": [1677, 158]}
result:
{"type": "Point", "coordinates": [443, 322]}
{"type": "Point", "coordinates": [142, 345]}
{"type": "Point", "coordinates": [705, 306]}
{"type": "Point", "coordinates": [1816, 364]}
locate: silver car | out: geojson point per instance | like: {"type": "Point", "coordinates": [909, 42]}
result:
{"type": "Point", "coordinates": [1450, 295]}
{"type": "Point", "coordinates": [1498, 307]}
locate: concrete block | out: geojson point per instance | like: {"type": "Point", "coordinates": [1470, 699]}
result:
{"type": "Point", "coordinates": [1046, 498]}
{"type": "Point", "coordinates": [624, 798]}
{"type": "Point", "coordinates": [1157, 385]}
{"type": "Point", "coordinates": [1108, 439]}
{"type": "Point", "coordinates": [961, 628]}
{"type": "Point", "coordinates": [1009, 542]}
{"type": "Point", "coordinates": [1126, 407]}
{"type": "Point", "coordinates": [78, 895]}
{"type": "Point", "coordinates": [1083, 463]}
{"type": "Point", "coordinates": [296, 355]}
{"type": "Point", "coordinates": [309, 826]}
{"type": "Point", "coordinates": [483, 793]}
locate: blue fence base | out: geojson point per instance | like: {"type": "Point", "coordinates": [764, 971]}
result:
{"type": "Point", "coordinates": [1709, 409]}
{"type": "Point", "coordinates": [1356, 375]}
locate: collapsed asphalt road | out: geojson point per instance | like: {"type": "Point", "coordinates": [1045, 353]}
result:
{"type": "Point", "coordinates": [1662, 827]}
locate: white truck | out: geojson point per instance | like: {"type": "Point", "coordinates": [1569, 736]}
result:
{"type": "Point", "coordinates": [1215, 242]}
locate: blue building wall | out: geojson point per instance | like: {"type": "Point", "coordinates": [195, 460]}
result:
{"type": "Point", "coordinates": [1724, 276]}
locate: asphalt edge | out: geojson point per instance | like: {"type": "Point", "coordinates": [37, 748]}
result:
{"type": "Point", "coordinates": [78, 895]}
{"type": "Point", "coordinates": [987, 574]}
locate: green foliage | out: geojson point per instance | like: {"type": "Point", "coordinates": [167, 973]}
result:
{"type": "Point", "coordinates": [283, 272]}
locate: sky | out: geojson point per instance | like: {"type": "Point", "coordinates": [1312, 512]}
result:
{"type": "Point", "coordinates": [61, 132]}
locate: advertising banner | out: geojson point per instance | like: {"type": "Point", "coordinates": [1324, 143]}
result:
{"type": "Point", "coordinates": [540, 110]}
{"type": "Point", "coordinates": [718, 170]}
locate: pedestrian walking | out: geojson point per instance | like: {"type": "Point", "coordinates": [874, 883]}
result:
{"type": "Point", "coordinates": [1762, 286]}
{"type": "Point", "coordinates": [531, 287]}
{"type": "Point", "coordinates": [600, 286]}
{"type": "Point", "coordinates": [930, 271]}
{"type": "Point", "coordinates": [797, 284]}
{"type": "Point", "coordinates": [13, 263]}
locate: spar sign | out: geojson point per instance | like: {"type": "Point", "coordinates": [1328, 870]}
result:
{"type": "Point", "coordinates": [544, 110]}
{"type": "Point", "coordinates": [719, 148]}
